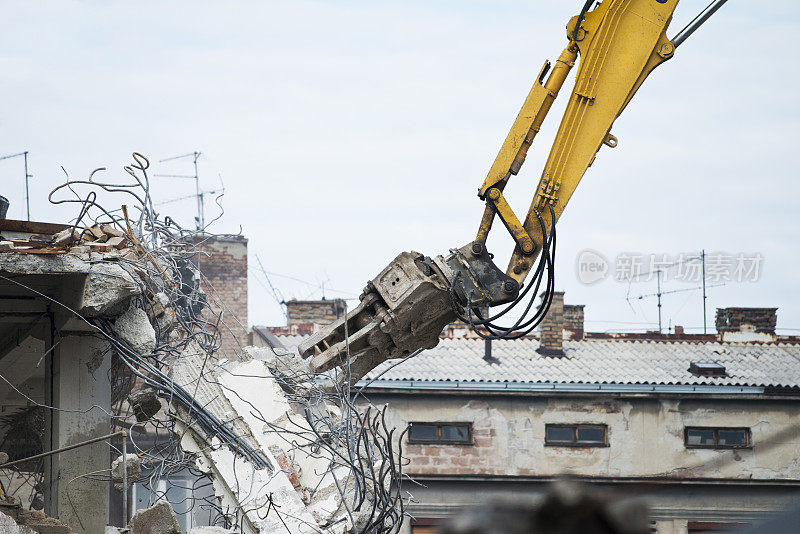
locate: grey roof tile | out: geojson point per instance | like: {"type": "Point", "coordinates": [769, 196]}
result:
{"type": "Point", "coordinates": [598, 361]}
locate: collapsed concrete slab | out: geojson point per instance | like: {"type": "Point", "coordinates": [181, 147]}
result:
{"type": "Point", "coordinates": [311, 484]}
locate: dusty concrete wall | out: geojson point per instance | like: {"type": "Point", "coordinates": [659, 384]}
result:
{"type": "Point", "coordinates": [223, 262]}
{"type": "Point", "coordinates": [83, 392]}
{"type": "Point", "coordinates": [646, 441]}
{"type": "Point", "coordinates": [645, 435]}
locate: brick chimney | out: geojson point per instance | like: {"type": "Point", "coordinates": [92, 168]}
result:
{"type": "Point", "coordinates": [747, 324]}
{"type": "Point", "coordinates": [552, 328]}
{"type": "Point", "coordinates": [319, 312]}
{"type": "Point", "coordinates": [762, 320]}
{"type": "Point", "coordinates": [573, 321]}
{"type": "Point", "coordinates": [223, 262]}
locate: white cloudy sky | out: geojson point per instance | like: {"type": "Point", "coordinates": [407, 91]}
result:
{"type": "Point", "coordinates": [346, 132]}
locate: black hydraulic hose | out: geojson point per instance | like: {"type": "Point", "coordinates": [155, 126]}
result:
{"type": "Point", "coordinates": [584, 9]}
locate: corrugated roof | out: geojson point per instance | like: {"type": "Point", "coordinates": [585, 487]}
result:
{"type": "Point", "coordinates": [596, 361]}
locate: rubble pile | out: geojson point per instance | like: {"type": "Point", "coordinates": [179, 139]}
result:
{"type": "Point", "coordinates": [330, 469]}
{"type": "Point", "coordinates": [16, 520]}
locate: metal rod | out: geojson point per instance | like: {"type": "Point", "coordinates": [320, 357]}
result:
{"type": "Point", "coordinates": [27, 192]}
{"type": "Point", "coordinates": [200, 220]}
{"type": "Point", "coordinates": [63, 449]}
{"type": "Point", "coordinates": [697, 22]}
{"type": "Point", "coordinates": [27, 176]}
{"type": "Point", "coordinates": [201, 223]}
{"type": "Point", "coordinates": [658, 277]}
{"type": "Point", "coordinates": [124, 479]}
{"type": "Point", "coordinates": [703, 260]}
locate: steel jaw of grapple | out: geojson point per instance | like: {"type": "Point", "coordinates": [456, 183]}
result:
{"type": "Point", "coordinates": [404, 309]}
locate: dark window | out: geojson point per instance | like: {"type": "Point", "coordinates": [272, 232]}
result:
{"type": "Point", "coordinates": [717, 438]}
{"type": "Point", "coordinates": [700, 436]}
{"type": "Point", "coordinates": [576, 435]}
{"type": "Point", "coordinates": [420, 432]}
{"type": "Point", "coordinates": [446, 433]}
{"type": "Point", "coordinates": [455, 433]}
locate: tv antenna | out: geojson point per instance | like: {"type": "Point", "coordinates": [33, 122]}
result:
{"type": "Point", "coordinates": [658, 294]}
{"type": "Point", "coordinates": [27, 176]}
{"type": "Point", "coordinates": [200, 220]}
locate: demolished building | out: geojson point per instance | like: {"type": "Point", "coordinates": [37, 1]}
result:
{"type": "Point", "coordinates": [119, 373]}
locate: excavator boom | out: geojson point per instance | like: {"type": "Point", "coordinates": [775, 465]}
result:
{"type": "Point", "coordinates": [405, 308]}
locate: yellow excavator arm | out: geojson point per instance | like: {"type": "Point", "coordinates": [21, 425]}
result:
{"type": "Point", "coordinates": [406, 306]}
{"type": "Point", "coordinates": [619, 44]}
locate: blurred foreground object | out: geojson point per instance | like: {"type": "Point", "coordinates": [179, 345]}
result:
{"type": "Point", "coordinates": [568, 508]}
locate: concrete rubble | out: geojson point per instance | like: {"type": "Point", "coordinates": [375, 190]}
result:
{"type": "Point", "coordinates": [158, 519]}
{"type": "Point", "coordinates": [9, 526]}
{"type": "Point", "coordinates": [144, 403]}
{"type": "Point", "coordinates": [134, 327]}
{"type": "Point", "coordinates": [133, 467]}
{"type": "Point", "coordinates": [310, 489]}
{"type": "Point", "coordinates": [16, 520]}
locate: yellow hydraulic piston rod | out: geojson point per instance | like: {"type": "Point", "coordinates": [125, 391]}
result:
{"type": "Point", "coordinates": [619, 43]}
{"type": "Point", "coordinates": [512, 153]}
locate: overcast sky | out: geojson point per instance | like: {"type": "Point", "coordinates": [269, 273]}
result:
{"type": "Point", "coordinates": [346, 132]}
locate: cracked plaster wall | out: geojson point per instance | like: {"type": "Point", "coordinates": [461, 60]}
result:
{"type": "Point", "coordinates": [645, 436]}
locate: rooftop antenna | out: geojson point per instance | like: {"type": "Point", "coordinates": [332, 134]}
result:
{"type": "Point", "coordinates": [200, 220]}
{"type": "Point", "coordinates": [661, 293]}
{"type": "Point", "coordinates": [703, 259]}
{"type": "Point", "coordinates": [27, 176]}
{"type": "Point", "coordinates": [658, 294]}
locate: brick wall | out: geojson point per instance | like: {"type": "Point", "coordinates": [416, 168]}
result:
{"type": "Point", "coordinates": [573, 320]}
{"type": "Point", "coordinates": [762, 320]}
{"type": "Point", "coordinates": [222, 260]}
{"type": "Point", "coordinates": [319, 312]}
{"type": "Point", "coordinates": [552, 328]}
{"type": "Point", "coordinates": [479, 458]}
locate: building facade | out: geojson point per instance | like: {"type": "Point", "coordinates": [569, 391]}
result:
{"type": "Point", "coordinates": [705, 429]}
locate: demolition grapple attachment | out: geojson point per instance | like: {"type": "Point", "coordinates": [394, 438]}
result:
{"type": "Point", "coordinates": [406, 307]}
